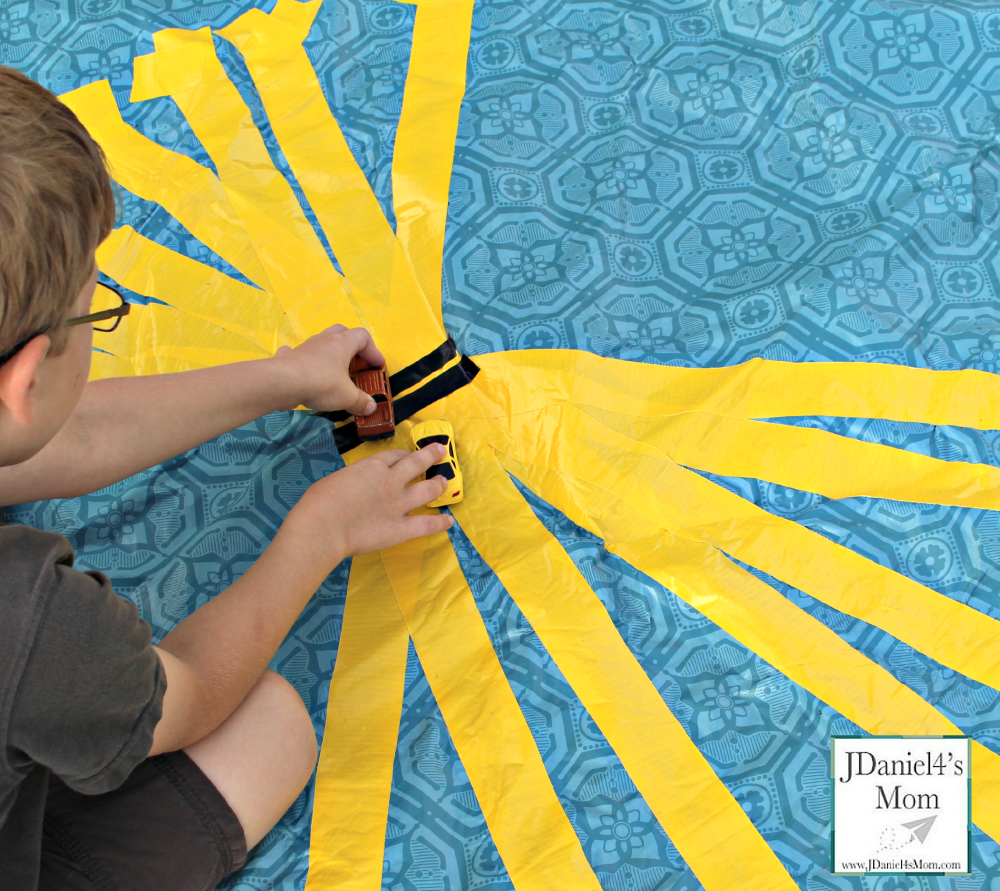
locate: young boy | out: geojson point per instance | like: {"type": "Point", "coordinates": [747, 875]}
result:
{"type": "Point", "coordinates": [123, 765]}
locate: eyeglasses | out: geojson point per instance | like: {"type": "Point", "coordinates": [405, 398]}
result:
{"type": "Point", "coordinates": [115, 313]}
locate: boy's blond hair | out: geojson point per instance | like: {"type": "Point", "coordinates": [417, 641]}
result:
{"type": "Point", "coordinates": [56, 206]}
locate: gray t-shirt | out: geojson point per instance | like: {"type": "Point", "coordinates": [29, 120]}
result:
{"type": "Point", "coordinates": [81, 688]}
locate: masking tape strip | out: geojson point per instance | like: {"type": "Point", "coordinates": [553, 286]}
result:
{"type": "Point", "coordinates": [534, 836]}
{"type": "Point", "coordinates": [712, 832]}
{"type": "Point", "coordinates": [425, 137]}
{"type": "Point", "coordinates": [192, 194]}
{"type": "Point", "coordinates": [354, 777]}
{"type": "Point", "coordinates": [800, 647]}
{"type": "Point", "coordinates": [567, 439]}
{"type": "Point", "coordinates": [809, 459]}
{"type": "Point", "coordinates": [153, 270]}
{"type": "Point", "coordinates": [381, 279]}
{"type": "Point", "coordinates": [523, 380]}
{"type": "Point", "coordinates": [304, 280]}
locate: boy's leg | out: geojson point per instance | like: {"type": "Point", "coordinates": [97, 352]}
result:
{"type": "Point", "coordinates": [261, 757]}
{"type": "Point", "coordinates": [183, 820]}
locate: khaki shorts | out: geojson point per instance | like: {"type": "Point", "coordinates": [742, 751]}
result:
{"type": "Point", "coordinates": [166, 828]}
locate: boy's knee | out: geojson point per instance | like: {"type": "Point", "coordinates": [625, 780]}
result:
{"type": "Point", "coordinates": [284, 709]}
{"type": "Point", "coordinates": [262, 756]}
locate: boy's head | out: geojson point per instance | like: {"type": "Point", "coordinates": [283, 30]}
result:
{"type": "Point", "coordinates": [56, 206]}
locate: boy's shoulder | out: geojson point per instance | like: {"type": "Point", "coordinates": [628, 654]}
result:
{"type": "Point", "coordinates": [38, 587]}
{"type": "Point", "coordinates": [26, 544]}
{"type": "Point", "coordinates": [73, 654]}
{"type": "Point", "coordinates": [28, 561]}
{"type": "Point", "coordinates": [28, 570]}
{"type": "Point", "coordinates": [40, 591]}
{"type": "Point", "coordinates": [47, 605]}
{"type": "Point", "coordinates": [81, 687]}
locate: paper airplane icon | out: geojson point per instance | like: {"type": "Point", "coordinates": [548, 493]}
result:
{"type": "Point", "coordinates": [920, 828]}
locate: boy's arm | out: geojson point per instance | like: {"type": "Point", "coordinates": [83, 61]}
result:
{"type": "Point", "coordinates": [124, 425]}
{"type": "Point", "coordinates": [214, 657]}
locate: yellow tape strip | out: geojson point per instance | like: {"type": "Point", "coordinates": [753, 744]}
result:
{"type": "Point", "coordinates": [425, 137]}
{"type": "Point", "coordinates": [382, 282]}
{"type": "Point", "coordinates": [186, 68]}
{"type": "Point", "coordinates": [157, 339]}
{"type": "Point", "coordinates": [189, 192]}
{"type": "Point", "coordinates": [567, 439]}
{"type": "Point", "coordinates": [801, 648]}
{"type": "Point", "coordinates": [712, 832]}
{"type": "Point", "coordinates": [810, 459]}
{"type": "Point", "coordinates": [153, 270]}
{"type": "Point", "coordinates": [354, 777]}
{"type": "Point", "coordinates": [753, 612]}
{"type": "Point", "coordinates": [104, 298]}
{"type": "Point", "coordinates": [523, 380]}
{"type": "Point", "coordinates": [535, 839]}
{"type": "Point", "coordinates": [103, 366]}
{"type": "Point", "coordinates": [985, 790]}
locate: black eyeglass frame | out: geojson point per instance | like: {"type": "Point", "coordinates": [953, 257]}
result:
{"type": "Point", "coordinates": [115, 313]}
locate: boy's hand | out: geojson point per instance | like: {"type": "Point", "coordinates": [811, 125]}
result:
{"type": "Point", "coordinates": [316, 370]}
{"type": "Point", "coordinates": [364, 507]}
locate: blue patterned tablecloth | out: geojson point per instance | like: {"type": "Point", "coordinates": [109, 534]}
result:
{"type": "Point", "coordinates": [675, 182]}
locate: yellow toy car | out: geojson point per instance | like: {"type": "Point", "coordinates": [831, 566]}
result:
{"type": "Point", "coordinates": [423, 434]}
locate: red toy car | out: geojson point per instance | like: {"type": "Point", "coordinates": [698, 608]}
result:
{"type": "Point", "coordinates": [374, 381]}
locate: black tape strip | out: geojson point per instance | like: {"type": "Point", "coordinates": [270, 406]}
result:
{"type": "Point", "coordinates": [410, 376]}
{"type": "Point", "coordinates": [346, 437]}
{"type": "Point", "coordinates": [415, 373]}
{"type": "Point", "coordinates": [445, 384]}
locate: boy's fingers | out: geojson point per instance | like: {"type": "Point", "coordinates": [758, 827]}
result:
{"type": "Point", "coordinates": [417, 463]}
{"type": "Point", "coordinates": [365, 347]}
{"type": "Point", "coordinates": [423, 492]}
{"type": "Point", "coordinates": [363, 405]}
{"type": "Point", "coordinates": [390, 457]}
{"type": "Point", "coordinates": [428, 524]}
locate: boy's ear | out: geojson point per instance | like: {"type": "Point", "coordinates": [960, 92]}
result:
{"type": "Point", "coordinates": [18, 377]}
